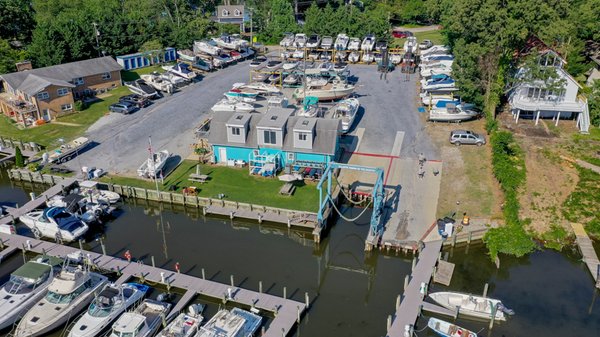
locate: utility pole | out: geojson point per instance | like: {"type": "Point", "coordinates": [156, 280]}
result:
{"type": "Point", "coordinates": [251, 28]}
{"type": "Point", "coordinates": [97, 35]}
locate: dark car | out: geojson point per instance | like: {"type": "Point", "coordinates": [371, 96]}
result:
{"type": "Point", "coordinates": [135, 99]}
{"type": "Point", "coordinates": [122, 107]}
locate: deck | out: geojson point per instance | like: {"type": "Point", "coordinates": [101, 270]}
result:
{"type": "Point", "coordinates": [286, 311]}
{"type": "Point", "coordinates": [587, 250]}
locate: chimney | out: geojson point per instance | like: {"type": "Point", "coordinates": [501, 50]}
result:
{"type": "Point", "coordinates": [25, 65]}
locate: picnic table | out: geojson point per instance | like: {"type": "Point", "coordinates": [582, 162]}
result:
{"type": "Point", "coordinates": [200, 178]}
{"type": "Point", "coordinates": [287, 189]}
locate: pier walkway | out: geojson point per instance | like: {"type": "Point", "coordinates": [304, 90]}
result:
{"type": "Point", "coordinates": [287, 312]}
{"type": "Point", "coordinates": [412, 300]}
{"type": "Point", "coordinates": [587, 250]}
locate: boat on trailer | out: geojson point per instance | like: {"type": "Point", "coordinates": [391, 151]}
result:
{"type": "Point", "coordinates": [151, 167]}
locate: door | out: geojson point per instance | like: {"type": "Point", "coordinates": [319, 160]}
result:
{"type": "Point", "coordinates": [222, 155]}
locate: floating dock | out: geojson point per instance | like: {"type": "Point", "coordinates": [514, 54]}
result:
{"type": "Point", "coordinates": [587, 250]}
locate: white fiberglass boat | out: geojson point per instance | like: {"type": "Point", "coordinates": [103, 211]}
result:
{"type": "Point", "coordinates": [438, 82]}
{"type": "Point", "coordinates": [341, 42]}
{"type": "Point", "coordinates": [447, 329]}
{"type": "Point", "coordinates": [185, 324]}
{"type": "Point", "coordinates": [298, 54]}
{"type": "Point", "coordinates": [313, 41]}
{"type": "Point", "coordinates": [207, 47]}
{"type": "Point", "coordinates": [54, 223]}
{"type": "Point", "coordinates": [144, 321]}
{"type": "Point", "coordinates": [155, 80]}
{"type": "Point", "coordinates": [434, 98]}
{"type": "Point", "coordinates": [142, 88]}
{"type": "Point", "coordinates": [368, 57]}
{"type": "Point", "coordinates": [411, 45]}
{"type": "Point", "coordinates": [288, 40]}
{"type": "Point", "coordinates": [181, 69]}
{"type": "Point", "coordinates": [346, 111]}
{"type": "Point", "coordinates": [354, 43]}
{"type": "Point", "coordinates": [227, 104]}
{"type": "Point", "coordinates": [26, 286]}
{"type": "Point", "coordinates": [333, 90]}
{"type": "Point", "coordinates": [452, 111]}
{"type": "Point", "coordinates": [292, 79]}
{"type": "Point", "coordinates": [234, 323]}
{"type": "Point", "coordinates": [111, 302]}
{"type": "Point", "coordinates": [289, 65]}
{"type": "Point", "coordinates": [435, 49]}
{"type": "Point", "coordinates": [90, 188]}
{"type": "Point", "coordinates": [472, 305]}
{"type": "Point", "coordinates": [68, 293]}
{"type": "Point", "coordinates": [300, 40]}
{"type": "Point", "coordinates": [368, 43]}
{"type": "Point", "coordinates": [354, 57]}
{"type": "Point", "coordinates": [151, 167]}
{"type": "Point", "coordinates": [261, 88]}
{"type": "Point", "coordinates": [326, 42]}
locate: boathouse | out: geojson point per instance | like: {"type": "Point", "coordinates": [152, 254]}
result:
{"type": "Point", "coordinates": [141, 60]}
{"type": "Point", "coordinates": [274, 140]}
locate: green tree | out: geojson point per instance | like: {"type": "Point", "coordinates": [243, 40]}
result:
{"type": "Point", "coordinates": [16, 20]}
{"type": "Point", "coordinates": [313, 21]}
{"type": "Point", "coordinates": [594, 103]}
{"type": "Point", "coordinates": [8, 57]}
{"type": "Point", "coordinates": [281, 20]}
{"type": "Point", "coordinates": [153, 50]}
{"type": "Point", "coordinates": [19, 160]}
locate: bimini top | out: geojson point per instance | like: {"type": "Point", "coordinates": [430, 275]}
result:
{"type": "Point", "coordinates": [37, 268]}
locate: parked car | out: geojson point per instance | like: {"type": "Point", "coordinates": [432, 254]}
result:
{"type": "Point", "coordinates": [426, 44]}
{"type": "Point", "coordinates": [459, 137]}
{"type": "Point", "coordinates": [135, 99]}
{"type": "Point", "coordinates": [122, 107]}
{"type": "Point", "coordinates": [401, 34]}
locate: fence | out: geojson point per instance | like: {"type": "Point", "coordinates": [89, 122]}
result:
{"type": "Point", "coordinates": [28, 146]}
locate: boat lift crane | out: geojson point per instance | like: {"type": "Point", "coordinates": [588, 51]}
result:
{"type": "Point", "coordinates": [378, 195]}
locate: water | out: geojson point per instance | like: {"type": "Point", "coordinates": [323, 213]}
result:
{"type": "Point", "coordinates": [352, 293]}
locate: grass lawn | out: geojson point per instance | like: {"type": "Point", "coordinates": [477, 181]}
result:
{"type": "Point", "coordinates": [434, 35]}
{"type": "Point", "coordinates": [131, 75]}
{"type": "Point", "coordinates": [235, 183]}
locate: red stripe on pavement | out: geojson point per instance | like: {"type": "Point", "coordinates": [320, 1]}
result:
{"type": "Point", "coordinates": [375, 155]}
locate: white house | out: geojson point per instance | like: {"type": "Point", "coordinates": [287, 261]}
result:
{"type": "Point", "coordinates": [533, 101]}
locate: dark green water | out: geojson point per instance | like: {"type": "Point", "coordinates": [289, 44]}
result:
{"type": "Point", "coordinates": [351, 293]}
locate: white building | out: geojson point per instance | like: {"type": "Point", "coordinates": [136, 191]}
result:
{"type": "Point", "coordinates": [534, 101]}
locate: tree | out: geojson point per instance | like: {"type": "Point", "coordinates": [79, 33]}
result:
{"type": "Point", "coordinates": [594, 103]}
{"type": "Point", "coordinates": [16, 20]}
{"type": "Point", "coordinates": [19, 160]}
{"type": "Point", "coordinates": [313, 21]}
{"type": "Point", "coordinates": [153, 50]}
{"type": "Point", "coordinates": [8, 57]}
{"type": "Point", "coordinates": [281, 20]}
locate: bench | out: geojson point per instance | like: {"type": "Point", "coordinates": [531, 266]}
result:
{"type": "Point", "coordinates": [287, 189]}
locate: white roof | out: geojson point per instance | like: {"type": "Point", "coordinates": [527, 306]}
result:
{"type": "Point", "coordinates": [128, 322]}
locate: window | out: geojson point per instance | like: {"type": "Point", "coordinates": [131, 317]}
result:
{"type": "Point", "coordinates": [225, 13]}
{"type": "Point", "coordinates": [43, 95]}
{"type": "Point", "coordinates": [106, 76]}
{"type": "Point", "coordinates": [78, 81]}
{"type": "Point", "coordinates": [290, 156]}
{"type": "Point", "coordinates": [529, 92]}
{"type": "Point", "coordinates": [270, 137]}
{"type": "Point", "coordinates": [62, 91]}
{"type": "Point", "coordinates": [235, 131]}
{"type": "Point", "coordinates": [302, 136]}
{"type": "Point", "coordinates": [66, 107]}
{"type": "Point", "coordinates": [237, 12]}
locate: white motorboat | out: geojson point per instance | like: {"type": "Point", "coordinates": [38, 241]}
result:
{"type": "Point", "coordinates": [152, 167]}
{"type": "Point", "coordinates": [144, 321]}
{"type": "Point", "coordinates": [439, 82]}
{"type": "Point", "coordinates": [381, 45]}
{"type": "Point", "coordinates": [300, 40]}
{"type": "Point", "coordinates": [261, 88]}
{"type": "Point", "coordinates": [88, 210]}
{"type": "Point", "coordinates": [55, 223]}
{"type": "Point", "coordinates": [298, 54]}
{"type": "Point", "coordinates": [288, 40]}
{"type": "Point", "coordinates": [26, 286]}
{"type": "Point", "coordinates": [435, 49]}
{"type": "Point", "coordinates": [292, 79]}
{"type": "Point", "coordinates": [69, 292]}
{"type": "Point", "coordinates": [314, 55]}
{"type": "Point", "coordinates": [411, 45]}
{"type": "Point", "coordinates": [425, 44]}
{"type": "Point", "coordinates": [218, 61]}
{"type": "Point", "coordinates": [310, 108]}
{"type": "Point", "coordinates": [234, 323]}
{"type": "Point", "coordinates": [326, 42]}
{"type": "Point", "coordinates": [340, 55]}
{"type": "Point", "coordinates": [433, 99]}
{"type": "Point", "coordinates": [186, 55]}
{"type": "Point", "coordinates": [142, 88]}
{"type": "Point", "coordinates": [368, 43]}
{"type": "Point", "coordinates": [248, 96]}
{"type": "Point", "coordinates": [246, 52]}
{"type": "Point", "coordinates": [274, 78]}
{"type": "Point", "coordinates": [471, 305]}
{"type": "Point", "coordinates": [427, 73]}
{"type": "Point", "coordinates": [175, 80]}
{"type": "Point", "coordinates": [340, 67]}
{"type": "Point", "coordinates": [186, 324]}
{"type": "Point", "coordinates": [431, 58]}
{"type": "Point", "coordinates": [232, 105]}
{"type": "Point", "coordinates": [155, 80]}
{"type": "Point", "coordinates": [285, 54]}
{"type": "Point", "coordinates": [181, 69]}
{"type": "Point", "coordinates": [230, 41]}
{"type": "Point", "coordinates": [452, 111]}
{"type": "Point", "coordinates": [207, 46]}
{"type": "Point", "coordinates": [446, 329]}
{"type": "Point", "coordinates": [313, 41]}
{"type": "Point", "coordinates": [325, 67]}
{"type": "Point", "coordinates": [341, 42]}
{"type": "Point", "coordinates": [274, 64]}
{"type": "Point", "coordinates": [90, 188]}
{"type": "Point", "coordinates": [354, 57]}
{"type": "Point", "coordinates": [346, 111]}
{"type": "Point", "coordinates": [333, 90]}
{"type": "Point", "coordinates": [368, 57]}
{"type": "Point", "coordinates": [325, 56]}
{"type": "Point", "coordinates": [289, 65]}
{"type": "Point", "coordinates": [260, 76]}
{"type": "Point", "coordinates": [258, 62]}
{"type": "Point", "coordinates": [354, 43]}
{"type": "Point", "coordinates": [396, 58]}
{"type": "Point", "coordinates": [109, 304]}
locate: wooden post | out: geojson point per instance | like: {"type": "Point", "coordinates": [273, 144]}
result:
{"type": "Point", "coordinates": [406, 279]}
{"type": "Point", "coordinates": [456, 312]}
{"type": "Point", "coordinates": [485, 290]}
{"type": "Point", "coordinates": [398, 300]}
{"type": "Point", "coordinates": [80, 244]}
{"type": "Point", "coordinates": [298, 318]}
{"type": "Point", "coordinates": [453, 240]}
{"type": "Point", "coordinates": [469, 238]}
{"type": "Point", "coordinates": [152, 260]}
{"type": "Point", "coordinates": [306, 300]}
{"type": "Point", "coordinates": [414, 264]}
{"type": "Point", "coordinates": [494, 309]}
{"type": "Point", "coordinates": [203, 274]}
{"type": "Point", "coordinates": [389, 322]}
{"type": "Point", "coordinates": [285, 292]}
{"type": "Point", "coordinates": [231, 279]}
{"type": "Point", "coordinates": [260, 287]}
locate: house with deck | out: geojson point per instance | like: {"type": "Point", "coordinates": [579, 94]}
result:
{"type": "Point", "coordinates": [268, 142]}
{"type": "Point", "coordinates": [32, 95]}
{"type": "Point", "coordinates": [534, 101]}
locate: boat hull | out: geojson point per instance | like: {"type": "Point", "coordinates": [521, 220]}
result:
{"type": "Point", "coordinates": [325, 94]}
{"type": "Point", "coordinates": [446, 329]}
{"type": "Point", "coordinates": [451, 300]}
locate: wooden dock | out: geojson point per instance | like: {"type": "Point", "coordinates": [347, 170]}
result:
{"type": "Point", "coordinates": [587, 250]}
{"type": "Point", "coordinates": [287, 312]}
{"type": "Point", "coordinates": [443, 273]}
{"type": "Point", "coordinates": [412, 300]}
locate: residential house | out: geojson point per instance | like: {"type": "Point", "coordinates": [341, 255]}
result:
{"type": "Point", "coordinates": [45, 93]}
{"type": "Point", "coordinates": [141, 60]}
{"type": "Point", "coordinates": [275, 139]}
{"type": "Point", "coordinates": [592, 50]}
{"type": "Point", "coordinates": [232, 14]}
{"type": "Point", "coordinates": [534, 101]}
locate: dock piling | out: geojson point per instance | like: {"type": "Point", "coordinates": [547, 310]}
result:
{"type": "Point", "coordinates": [456, 312]}
{"type": "Point", "coordinates": [406, 279]}
{"type": "Point", "coordinates": [494, 309]}
{"type": "Point", "coordinates": [414, 264]}
{"type": "Point", "coordinates": [285, 292]}
{"type": "Point", "coordinates": [231, 279]}
{"type": "Point", "coordinates": [28, 244]}
{"type": "Point", "coordinates": [306, 300]}
{"type": "Point", "coordinates": [102, 246]}
{"type": "Point", "coordinates": [203, 274]}
{"type": "Point", "coordinates": [260, 287]}
{"type": "Point", "coordinates": [398, 300]}
{"type": "Point", "coordinates": [389, 322]}
{"type": "Point", "coordinates": [485, 290]}
{"type": "Point", "coordinates": [298, 318]}
{"type": "Point", "coordinates": [152, 261]}
{"type": "Point", "coordinates": [162, 277]}
{"type": "Point", "coordinates": [80, 244]}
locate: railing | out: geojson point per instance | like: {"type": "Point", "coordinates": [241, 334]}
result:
{"type": "Point", "coordinates": [18, 105]}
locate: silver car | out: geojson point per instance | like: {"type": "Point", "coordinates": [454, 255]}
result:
{"type": "Point", "coordinates": [459, 137]}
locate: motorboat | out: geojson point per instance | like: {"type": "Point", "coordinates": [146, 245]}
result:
{"type": "Point", "coordinates": [69, 292]}
{"type": "Point", "coordinates": [310, 108]}
{"type": "Point", "coordinates": [142, 88]}
{"type": "Point", "coordinates": [109, 304]}
{"type": "Point", "coordinates": [261, 88]}
{"type": "Point", "coordinates": [452, 111]}
{"type": "Point", "coordinates": [425, 44]}
{"type": "Point", "coordinates": [447, 329]}
{"type": "Point", "coordinates": [341, 42]}
{"type": "Point", "coordinates": [368, 43]}
{"type": "Point", "coordinates": [435, 49]}
{"type": "Point", "coordinates": [313, 41]}
{"type": "Point", "coordinates": [439, 77]}
{"type": "Point", "coordinates": [55, 223]}
{"type": "Point", "coordinates": [176, 80]}
{"type": "Point", "coordinates": [88, 210]}
{"type": "Point", "coordinates": [274, 78]}
{"type": "Point", "coordinates": [411, 45]}
{"type": "Point", "coordinates": [368, 57]}
{"type": "Point", "coordinates": [472, 305]}
{"type": "Point", "coordinates": [207, 46]}
{"type": "Point", "coordinates": [235, 55]}
{"type": "Point", "coordinates": [341, 55]}
{"type": "Point", "coordinates": [427, 73]}
{"type": "Point", "coordinates": [326, 42]}
{"type": "Point", "coordinates": [244, 95]}
{"type": "Point", "coordinates": [155, 80]}
{"type": "Point", "coordinates": [325, 67]}
{"type": "Point", "coordinates": [436, 57]}
{"type": "Point", "coordinates": [433, 99]}
{"type": "Point", "coordinates": [260, 76]}
{"type": "Point", "coordinates": [346, 111]}
{"type": "Point", "coordinates": [314, 55]}
{"type": "Point", "coordinates": [288, 40]}
{"type": "Point", "coordinates": [230, 41]}
{"type": "Point", "coordinates": [274, 64]}
{"type": "Point", "coordinates": [186, 324]}
{"type": "Point", "coordinates": [381, 45]}
{"type": "Point", "coordinates": [226, 58]}
{"type": "Point", "coordinates": [186, 55]}
{"type": "Point", "coordinates": [441, 81]}
{"type": "Point", "coordinates": [354, 57]}
{"type": "Point", "coordinates": [218, 61]}
{"type": "Point", "coordinates": [396, 58]}
{"type": "Point", "coordinates": [325, 56]}
{"type": "Point", "coordinates": [292, 79]}
{"type": "Point", "coordinates": [144, 321]}
{"type": "Point", "coordinates": [340, 67]}
{"type": "Point", "coordinates": [246, 52]}
{"type": "Point", "coordinates": [234, 323]}
{"type": "Point", "coordinates": [277, 102]}
{"type": "Point", "coordinates": [298, 54]}
{"type": "Point", "coordinates": [259, 61]}
{"type": "Point", "coordinates": [90, 188]}
{"type": "Point", "coordinates": [181, 69]}
{"type": "Point", "coordinates": [354, 44]}
{"type": "Point", "coordinates": [227, 104]}
{"type": "Point", "coordinates": [26, 286]}
{"type": "Point", "coordinates": [289, 65]}
{"type": "Point", "coordinates": [300, 40]}
{"type": "Point", "coordinates": [332, 90]}
{"type": "Point", "coordinates": [152, 167]}
{"type": "Point", "coordinates": [285, 54]}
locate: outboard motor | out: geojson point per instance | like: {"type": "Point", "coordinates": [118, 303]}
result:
{"type": "Point", "coordinates": [504, 309]}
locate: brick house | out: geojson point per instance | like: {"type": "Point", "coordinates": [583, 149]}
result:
{"type": "Point", "coordinates": [45, 93]}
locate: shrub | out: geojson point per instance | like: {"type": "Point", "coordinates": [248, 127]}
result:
{"type": "Point", "coordinates": [19, 160]}
{"type": "Point", "coordinates": [80, 105]}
